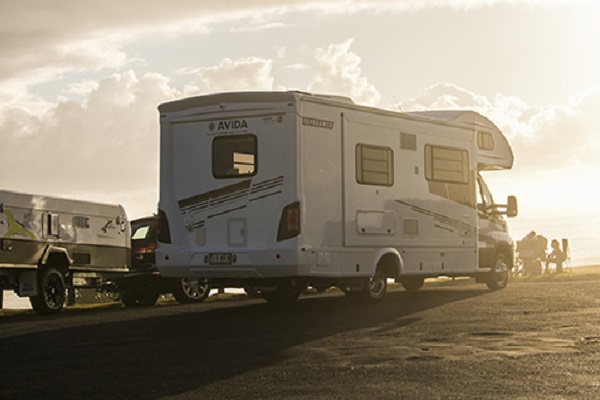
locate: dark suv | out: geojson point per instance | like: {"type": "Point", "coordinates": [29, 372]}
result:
{"type": "Point", "coordinates": [144, 283]}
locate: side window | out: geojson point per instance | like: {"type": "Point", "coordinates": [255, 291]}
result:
{"type": "Point", "coordinates": [485, 201]}
{"type": "Point", "coordinates": [485, 140]}
{"type": "Point", "coordinates": [234, 156]}
{"type": "Point", "coordinates": [446, 164]}
{"type": "Point", "coordinates": [51, 225]}
{"type": "Point", "coordinates": [374, 165]}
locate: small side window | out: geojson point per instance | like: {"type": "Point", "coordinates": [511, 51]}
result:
{"type": "Point", "coordinates": [234, 156]}
{"type": "Point", "coordinates": [374, 165]}
{"type": "Point", "coordinates": [485, 140]}
{"type": "Point", "coordinates": [51, 225]}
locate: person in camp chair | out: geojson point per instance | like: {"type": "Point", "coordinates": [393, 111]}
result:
{"type": "Point", "coordinates": [556, 256]}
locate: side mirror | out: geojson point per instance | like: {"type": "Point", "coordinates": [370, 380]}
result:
{"type": "Point", "coordinates": [512, 209]}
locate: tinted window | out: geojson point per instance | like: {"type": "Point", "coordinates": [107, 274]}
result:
{"type": "Point", "coordinates": [374, 165]}
{"type": "Point", "coordinates": [446, 164]}
{"type": "Point", "coordinates": [234, 156]}
{"type": "Point", "coordinates": [485, 140]}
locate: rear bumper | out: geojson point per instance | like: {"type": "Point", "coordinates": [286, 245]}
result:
{"type": "Point", "coordinates": [246, 264]}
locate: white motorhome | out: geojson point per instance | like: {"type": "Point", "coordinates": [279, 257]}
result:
{"type": "Point", "coordinates": [50, 244]}
{"type": "Point", "coordinates": [284, 190]}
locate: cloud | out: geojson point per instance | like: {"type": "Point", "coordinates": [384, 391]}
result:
{"type": "Point", "coordinates": [297, 67]}
{"type": "Point", "coordinates": [338, 72]}
{"type": "Point", "coordinates": [543, 137]}
{"type": "Point", "coordinates": [260, 28]}
{"type": "Point", "coordinates": [44, 42]}
{"type": "Point", "coordinates": [244, 74]}
{"type": "Point", "coordinates": [104, 148]}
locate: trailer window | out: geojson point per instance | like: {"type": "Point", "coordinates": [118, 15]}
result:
{"type": "Point", "coordinates": [446, 164]}
{"type": "Point", "coordinates": [374, 165]}
{"type": "Point", "coordinates": [234, 156]}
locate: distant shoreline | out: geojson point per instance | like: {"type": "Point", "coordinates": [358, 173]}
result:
{"type": "Point", "coordinates": [593, 268]}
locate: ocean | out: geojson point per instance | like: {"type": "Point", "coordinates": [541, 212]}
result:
{"type": "Point", "coordinates": [581, 231]}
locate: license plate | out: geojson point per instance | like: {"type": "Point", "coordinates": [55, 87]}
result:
{"type": "Point", "coordinates": [220, 258]}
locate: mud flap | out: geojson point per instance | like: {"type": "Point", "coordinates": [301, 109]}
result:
{"type": "Point", "coordinates": [28, 284]}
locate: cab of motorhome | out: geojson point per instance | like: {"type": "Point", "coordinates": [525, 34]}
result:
{"type": "Point", "coordinates": [284, 190]}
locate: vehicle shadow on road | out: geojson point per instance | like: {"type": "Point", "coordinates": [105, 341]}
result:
{"type": "Point", "coordinates": [193, 347]}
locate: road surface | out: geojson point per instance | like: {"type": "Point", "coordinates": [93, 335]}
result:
{"type": "Point", "coordinates": [538, 338]}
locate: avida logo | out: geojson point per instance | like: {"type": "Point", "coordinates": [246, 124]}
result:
{"type": "Point", "coordinates": [229, 125]}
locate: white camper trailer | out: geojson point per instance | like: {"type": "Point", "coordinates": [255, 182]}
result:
{"type": "Point", "coordinates": [284, 190]}
{"type": "Point", "coordinates": [49, 244]}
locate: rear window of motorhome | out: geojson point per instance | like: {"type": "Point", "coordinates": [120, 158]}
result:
{"type": "Point", "coordinates": [446, 164]}
{"type": "Point", "coordinates": [374, 165]}
{"type": "Point", "coordinates": [234, 156]}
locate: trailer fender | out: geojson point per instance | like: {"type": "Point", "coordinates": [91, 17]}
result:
{"type": "Point", "coordinates": [389, 262]}
{"type": "Point", "coordinates": [57, 257]}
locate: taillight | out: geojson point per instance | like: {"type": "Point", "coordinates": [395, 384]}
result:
{"type": "Point", "coordinates": [289, 223]}
{"type": "Point", "coordinates": [147, 249]}
{"type": "Point", "coordinates": [164, 233]}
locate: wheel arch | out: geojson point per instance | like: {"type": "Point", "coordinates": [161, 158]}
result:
{"type": "Point", "coordinates": [508, 251]}
{"type": "Point", "coordinates": [56, 257]}
{"type": "Point", "coordinates": [388, 262]}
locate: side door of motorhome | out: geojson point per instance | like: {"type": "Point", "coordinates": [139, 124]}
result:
{"type": "Point", "coordinates": [369, 181]}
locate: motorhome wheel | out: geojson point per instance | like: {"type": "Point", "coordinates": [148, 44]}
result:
{"type": "Point", "coordinates": [139, 298]}
{"type": "Point", "coordinates": [412, 284]}
{"type": "Point", "coordinates": [374, 289]}
{"type": "Point", "coordinates": [498, 278]}
{"type": "Point", "coordinates": [253, 292]}
{"type": "Point", "coordinates": [285, 293]}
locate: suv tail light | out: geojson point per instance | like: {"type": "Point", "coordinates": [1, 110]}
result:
{"type": "Point", "coordinates": [148, 248]}
{"type": "Point", "coordinates": [289, 223]}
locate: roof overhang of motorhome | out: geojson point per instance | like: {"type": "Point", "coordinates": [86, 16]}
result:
{"type": "Point", "coordinates": [499, 157]}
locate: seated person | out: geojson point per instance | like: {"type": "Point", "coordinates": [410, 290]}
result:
{"type": "Point", "coordinates": [556, 256]}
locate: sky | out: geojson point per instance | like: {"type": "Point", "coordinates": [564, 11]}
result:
{"type": "Point", "coordinates": [80, 82]}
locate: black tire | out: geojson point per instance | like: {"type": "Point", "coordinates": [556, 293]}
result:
{"type": "Point", "coordinates": [498, 277]}
{"type": "Point", "coordinates": [191, 290]}
{"type": "Point", "coordinates": [373, 289]}
{"type": "Point", "coordinates": [412, 284]}
{"type": "Point", "coordinates": [253, 292]}
{"type": "Point", "coordinates": [285, 293]}
{"type": "Point", "coordinates": [139, 298]}
{"type": "Point", "coordinates": [51, 293]}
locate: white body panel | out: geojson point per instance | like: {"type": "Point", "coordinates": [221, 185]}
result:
{"type": "Point", "coordinates": [307, 152]}
{"type": "Point", "coordinates": [93, 238]}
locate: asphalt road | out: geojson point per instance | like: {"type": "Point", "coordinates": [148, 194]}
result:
{"type": "Point", "coordinates": [537, 338]}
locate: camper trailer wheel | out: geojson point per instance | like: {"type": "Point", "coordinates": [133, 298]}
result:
{"type": "Point", "coordinates": [52, 293]}
{"type": "Point", "coordinates": [498, 278]}
{"type": "Point", "coordinates": [191, 290]}
{"type": "Point", "coordinates": [373, 289]}
{"type": "Point", "coordinates": [285, 293]}
{"type": "Point", "coordinates": [413, 284]}
{"type": "Point", "coordinates": [139, 298]}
